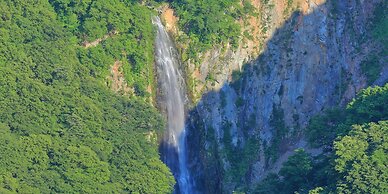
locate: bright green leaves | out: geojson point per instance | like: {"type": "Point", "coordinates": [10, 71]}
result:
{"type": "Point", "coordinates": [136, 165]}
{"type": "Point", "coordinates": [61, 129]}
{"type": "Point", "coordinates": [369, 105]}
{"type": "Point", "coordinates": [349, 149]}
{"type": "Point", "coordinates": [357, 160]}
{"type": "Point", "coordinates": [33, 33]}
{"type": "Point", "coordinates": [209, 22]}
{"type": "Point", "coordinates": [34, 148]}
{"type": "Point", "coordinates": [23, 160]}
{"type": "Point", "coordinates": [119, 31]}
{"type": "Point", "coordinates": [41, 163]}
{"type": "Point", "coordinates": [104, 17]}
{"type": "Point", "coordinates": [362, 159]}
{"type": "Point", "coordinates": [141, 180]}
{"type": "Point", "coordinates": [82, 169]}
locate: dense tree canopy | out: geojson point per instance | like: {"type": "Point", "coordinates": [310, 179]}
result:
{"type": "Point", "coordinates": [128, 33]}
{"type": "Point", "coordinates": [210, 22]}
{"type": "Point", "coordinates": [61, 129]}
{"type": "Point", "coordinates": [362, 159]}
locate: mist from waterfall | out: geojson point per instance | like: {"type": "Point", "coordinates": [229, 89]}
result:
{"type": "Point", "coordinates": [171, 100]}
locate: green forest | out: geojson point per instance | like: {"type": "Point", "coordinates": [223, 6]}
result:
{"type": "Point", "coordinates": [207, 23]}
{"type": "Point", "coordinates": [61, 128]}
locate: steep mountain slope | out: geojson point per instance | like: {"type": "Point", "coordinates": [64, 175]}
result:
{"type": "Point", "coordinates": [250, 116]}
{"type": "Point", "coordinates": [78, 96]}
{"type": "Point", "coordinates": [61, 129]}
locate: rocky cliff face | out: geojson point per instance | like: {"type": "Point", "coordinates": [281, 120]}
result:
{"type": "Point", "coordinates": [297, 58]}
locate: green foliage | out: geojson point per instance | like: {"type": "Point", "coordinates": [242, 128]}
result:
{"type": "Point", "coordinates": [270, 185]}
{"type": "Point", "coordinates": [356, 143]}
{"type": "Point", "coordinates": [61, 129]}
{"type": "Point", "coordinates": [324, 128]}
{"type": "Point", "coordinates": [126, 35]}
{"type": "Point", "coordinates": [239, 162]}
{"type": "Point", "coordinates": [357, 161]}
{"type": "Point", "coordinates": [369, 105]}
{"type": "Point", "coordinates": [317, 190]}
{"type": "Point", "coordinates": [295, 174]}
{"type": "Point", "coordinates": [366, 107]}
{"type": "Point", "coordinates": [362, 159]}
{"type": "Point", "coordinates": [296, 170]}
{"type": "Point", "coordinates": [210, 22]}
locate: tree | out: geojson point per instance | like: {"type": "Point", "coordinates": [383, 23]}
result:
{"type": "Point", "coordinates": [362, 159]}
{"type": "Point", "coordinates": [270, 185]}
{"type": "Point", "coordinates": [296, 171]}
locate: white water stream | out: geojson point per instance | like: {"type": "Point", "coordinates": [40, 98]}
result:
{"type": "Point", "coordinates": [172, 101]}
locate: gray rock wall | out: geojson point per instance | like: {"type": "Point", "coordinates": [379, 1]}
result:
{"type": "Point", "coordinates": [309, 63]}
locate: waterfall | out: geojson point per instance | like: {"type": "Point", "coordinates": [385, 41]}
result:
{"type": "Point", "coordinates": [171, 99]}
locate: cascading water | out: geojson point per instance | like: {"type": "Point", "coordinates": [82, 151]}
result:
{"type": "Point", "coordinates": [171, 100]}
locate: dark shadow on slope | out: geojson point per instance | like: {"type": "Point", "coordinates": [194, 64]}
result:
{"type": "Point", "coordinates": [303, 69]}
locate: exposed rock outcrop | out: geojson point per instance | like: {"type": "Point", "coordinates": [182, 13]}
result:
{"type": "Point", "coordinates": [117, 81]}
{"type": "Point", "coordinates": [304, 56]}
